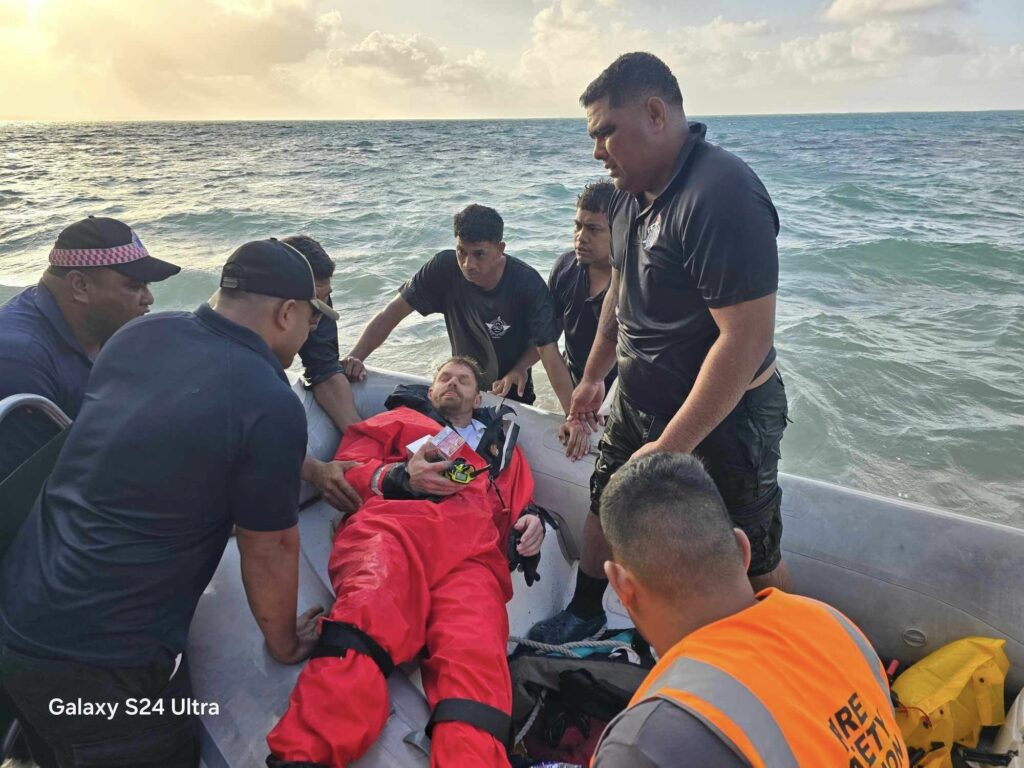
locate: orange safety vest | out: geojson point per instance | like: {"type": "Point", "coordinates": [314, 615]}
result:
{"type": "Point", "coordinates": [787, 683]}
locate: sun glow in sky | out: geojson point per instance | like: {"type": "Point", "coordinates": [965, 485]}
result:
{"type": "Point", "coordinates": [338, 59]}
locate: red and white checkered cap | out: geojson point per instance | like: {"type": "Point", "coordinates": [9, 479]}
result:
{"type": "Point", "coordinates": [99, 257]}
{"type": "Point", "coordinates": [105, 242]}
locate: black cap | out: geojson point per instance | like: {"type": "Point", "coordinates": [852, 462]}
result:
{"type": "Point", "coordinates": [103, 242]}
{"type": "Point", "coordinates": [271, 268]}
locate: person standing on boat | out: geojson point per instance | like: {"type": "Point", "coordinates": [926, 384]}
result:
{"type": "Point", "coordinates": [424, 563]}
{"type": "Point", "coordinates": [689, 316]}
{"type": "Point", "coordinates": [324, 375]}
{"type": "Point", "coordinates": [188, 428]}
{"type": "Point", "coordinates": [496, 308]}
{"type": "Point", "coordinates": [742, 679]}
{"type": "Point", "coordinates": [98, 280]}
{"type": "Point", "coordinates": [578, 283]}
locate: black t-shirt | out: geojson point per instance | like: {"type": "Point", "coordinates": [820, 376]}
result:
{"type": "Point", "coordinates": [657, 733]}
{"type": "Point", "coordinates": [493, 327]}
{"type": "Point", "coordinates": [578, 311]}
{"type": "Point", "coordinates": [707, 241]}
{"type": "Point", "coordinates": [319, 354]}
{"type": "Point", "coordinates": [188, 426]}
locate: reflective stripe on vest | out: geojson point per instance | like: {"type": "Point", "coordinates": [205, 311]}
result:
{"type": "Point", "coordinates": [733, 699]}
{"type": "Point", "coordinates": [732, 711]}
{"type": "Point", "coordinates": [862, 645]}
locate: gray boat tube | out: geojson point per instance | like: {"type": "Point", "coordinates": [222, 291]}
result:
{"type": "Point", "coordinates": [912, 577]}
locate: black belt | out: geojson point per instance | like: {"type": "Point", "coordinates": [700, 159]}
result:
{"type": "Point", "coordinates": [336, 638]}
{"type": "Point", "coordinates": [488, 719]}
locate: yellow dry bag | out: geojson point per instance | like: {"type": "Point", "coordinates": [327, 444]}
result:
{"type": "Point", "coordinates": [949, 695]}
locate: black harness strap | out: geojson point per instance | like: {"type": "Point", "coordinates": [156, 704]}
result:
{"type": "Point", "coordinates": [492, 443]}
{"type": "Point", "coordinates": [486, 718]}
{"type": "Point", "coordinates": [337, 637]}
{"type": "Point", "coordinates": [276, 762]}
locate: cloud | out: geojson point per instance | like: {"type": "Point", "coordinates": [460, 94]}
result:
{"type": "Point", "coordinates": [416, 60]}
{"type": "Point", "coordinates": [469, 75]}
{"type": "Point", "coordinates": [403, 58]}
{"type": "Point", "coordinates": [329, 24]}
{"type": "Point", "coordinates": [293, 59]}
{"type": "Point", "coordinates": [997, 64]}
{"type": "Point", "coordinates": [185, 37]}
{"type": "Point", "coordinates": [719, 48]}
{"type": "Point", "coordinates": [719, 34]}
{"type": "Point", "coordinates": [572, 41]}
{"type": "Point", "coordinates": [106, 59]}
{"type": "Point", "coordinates": [858, 10]}
{"type": "Point", "coordinates": [874, 49]}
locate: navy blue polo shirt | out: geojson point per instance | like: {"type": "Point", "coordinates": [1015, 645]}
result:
{"type": "Point", "coordinates": [188, 426]}
{"type": "Point", "coordinates": [578, 311]}
{"type": "Point", "coordinates": [38, 355]}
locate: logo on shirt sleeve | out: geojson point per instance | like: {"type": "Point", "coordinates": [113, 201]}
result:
{"type": "Point", "coordinates": [651, 235]}
{"type": "Point", "coordinates": [497, 328]}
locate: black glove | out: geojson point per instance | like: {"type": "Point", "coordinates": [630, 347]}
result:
{"type": "Point", "coordinates": [396, 485]}
{"type": "Point", "coordinates": [528, 565]}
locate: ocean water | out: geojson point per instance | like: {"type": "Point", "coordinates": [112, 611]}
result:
{"type": "Point", "coordinates": [901, 303]}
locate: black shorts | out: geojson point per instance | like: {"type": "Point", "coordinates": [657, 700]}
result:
{"type": "Point", "coordinates": [145, 729]}
{"type": "Point", "coordinates": [741, 454]}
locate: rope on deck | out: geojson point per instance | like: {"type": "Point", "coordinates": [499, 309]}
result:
{"type": "Point", "coordinates": [531, 719]}
{"type": "Point", "coordinates": [566, 649]}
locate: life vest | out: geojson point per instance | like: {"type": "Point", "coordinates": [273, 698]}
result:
{"type": "Point", "coordinates": [787, 683]}
{"type": "Point", "coordinates": [501, 432]}
{"type": "Point", "coordinates": [382, 439]}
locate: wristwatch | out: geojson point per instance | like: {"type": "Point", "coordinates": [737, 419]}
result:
{"type": "Point", "coordinates": [378, 477]}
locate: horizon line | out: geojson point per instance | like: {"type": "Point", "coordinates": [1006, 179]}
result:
{"type": "Point", "coordinates": [4, 120]}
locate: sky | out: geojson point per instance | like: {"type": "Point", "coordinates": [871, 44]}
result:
{"type": "Point", "coordinates": [403, 59]}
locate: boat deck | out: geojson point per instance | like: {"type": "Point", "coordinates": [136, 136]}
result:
{"type": "Point", "coordinates": [913, 578]}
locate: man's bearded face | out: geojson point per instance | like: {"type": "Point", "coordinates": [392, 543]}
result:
{"type": "Point", "coordinates": [454, 392]}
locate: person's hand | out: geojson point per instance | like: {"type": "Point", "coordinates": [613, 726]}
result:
{"type": "Point", "coordinates": [307, 634]}
{"type": "Point", "coordinates": [514, 379]}
{"type": "Point", "coordinates": [575, 436]}
{"type": "Point", "coordinates": [586, 402]}
{"type": "Point", "coordinates": [425, 468]}
{"type": "Point", "coordinates": [329, 479]}
{"type": "Point", "coordinates": [652, 447]}
{"type": "Point", "coordinates": [532, 530]}
{"type": "Point", "coordinates": [354, 368]}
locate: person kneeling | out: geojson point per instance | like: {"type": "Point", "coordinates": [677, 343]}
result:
{"type": "Point", "coordinates": [771, 679]}
{"type": "Point", "coordinates": [425, 561]}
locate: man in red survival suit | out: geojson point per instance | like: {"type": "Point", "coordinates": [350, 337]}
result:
{"type": "Point", "coordinates": [424, 562]}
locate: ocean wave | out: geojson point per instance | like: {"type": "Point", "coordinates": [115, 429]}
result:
{"type": "Point", "coordinates": [901, 303]}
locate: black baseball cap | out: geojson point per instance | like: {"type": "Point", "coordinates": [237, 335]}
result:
{"type": "Point", "coordinates": [103, 242]}
{"type": "Point", "coordinates": [272, 268]}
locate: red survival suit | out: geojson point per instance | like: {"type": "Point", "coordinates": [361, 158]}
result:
{"type": "Point", "coordinates": [411, 574]}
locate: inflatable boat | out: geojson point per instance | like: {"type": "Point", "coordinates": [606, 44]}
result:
{"type": "Point", "coordinates": [913, 578]}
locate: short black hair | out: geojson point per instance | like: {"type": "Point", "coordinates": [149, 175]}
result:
{"type": "Point", "coordinates": [478, 223]}
{"type": "Point", "coordinates": [322, 264]}
{"type": "Point", "coordinates": [634, 76]}
{"type": "Point", "coordinates": [596, 196]}
{"type": "Point", "coordinates": [666, 522]}
{"type": "Point", "coordinates": [468, 362]}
